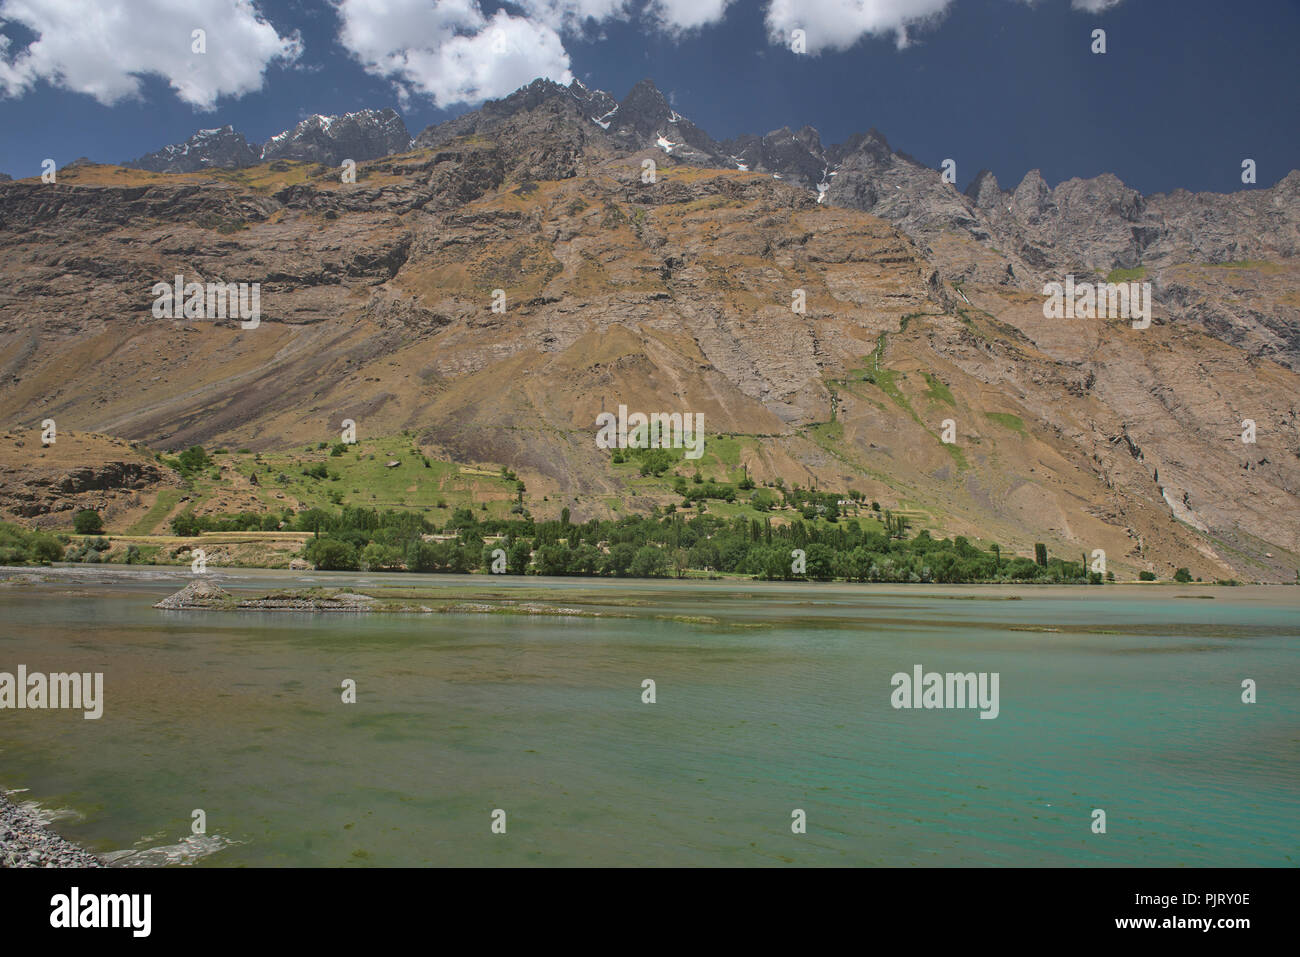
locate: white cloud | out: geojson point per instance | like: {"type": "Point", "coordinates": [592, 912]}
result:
{"type": "Point", "coordinates": [573, 14]}
{"type": "Point", "coordinates": [505, 55]}
{"type": "Point", "coordinates": [381, 32]}
{"type": "Point", "coordinates": [449, 51]}
{"type": "Point", "coordinates": [1088, 6]}
{"type": "Point", "coordinates": [679, 15]}
{"type": "Point", "coordinates": [103, 48]}
{"type": "Point", "coordinates": [839, 24]}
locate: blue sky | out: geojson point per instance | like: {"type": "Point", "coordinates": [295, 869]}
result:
{"type": "Point", "coordinates": [1186, 90]}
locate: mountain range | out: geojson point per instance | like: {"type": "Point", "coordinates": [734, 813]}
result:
{"type": "Point", "coordinates": [923, 304]}
{"type": "Point", "coordinates": [1083, 225]}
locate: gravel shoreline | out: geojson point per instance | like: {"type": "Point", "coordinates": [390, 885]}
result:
{"type": "Point", "coordinates": [26, 841]}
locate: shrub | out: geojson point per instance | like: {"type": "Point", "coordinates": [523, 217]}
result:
{"type": "Point", "coordinates": [1146, 576]}
{"type": "Point", "coordinates": [18, 546]}
{"type": "Point", "coordinates": [1183, 576]}
{"type": "Point", "coordinates": [46, 548]}
{"type": "Point", "coordinates": [192, 461]}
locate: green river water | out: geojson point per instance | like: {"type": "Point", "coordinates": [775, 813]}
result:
{"type": "Point", "coordinates": [1121, 698]}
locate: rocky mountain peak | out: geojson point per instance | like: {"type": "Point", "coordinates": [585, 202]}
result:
{"type": "Point", "coordinates": [221, 148]}
{"type": "Point", "coordinates": [645, 119]}
{"type": "Point", "coordinates": [810, 139]}
{"type": "Point", "coordinates": [644, 112]}
{"type": "Point", "coordinates": [870, 145]}
{"type": "Point", "coordinates": [364, 135]}
{"type": "Point", "coordinates": [1033, 195]}
{"type": "Point", "coordinates": [525, 98]}
{"type": "Point", "coordinates": [596, 105]}
{"type": "Point", "coordinates": [984, 191]}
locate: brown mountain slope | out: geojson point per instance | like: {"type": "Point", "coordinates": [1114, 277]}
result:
{"type": "Point", "coordinates": [667, 296]}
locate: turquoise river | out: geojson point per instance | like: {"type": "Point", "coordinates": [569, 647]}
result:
{"type": "Point", "coordinates": [768, 698]}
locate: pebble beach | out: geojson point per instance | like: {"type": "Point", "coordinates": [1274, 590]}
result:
{"type": "Point", "coordinates": [27, 841]}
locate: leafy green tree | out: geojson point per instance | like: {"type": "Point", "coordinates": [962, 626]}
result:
{"type": "Point", "coordinates": [585, 560]}
{"type": "Point", "coordinates": [820, 562]}
{"type": "Point", "coordinates": [46, 548]}
{"type": "Point", "coordinates": [379, 557]}
{"type": "Point", "coordinates": [331, 554]}
{"type": "Point", "coordinates": [1183, 576]}
{"type": "Point", "coordinates": [552, 560]}
{"type": "Point", "coordinates": [654, 461]}
{"type": "Point", "coordinates": [649, 562]}
{"type": "Point", "coordinates": [619, 559]}
{"type": "Point", "coordinates": [1022, 569]}
{"type": "Point", "coordinates": [518, 556]}
{"type": "Point", "coordinates": [88, 522]}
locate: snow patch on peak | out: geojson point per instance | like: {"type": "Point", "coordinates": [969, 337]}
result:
{"type": "Point", "coordinates": [824, 185]}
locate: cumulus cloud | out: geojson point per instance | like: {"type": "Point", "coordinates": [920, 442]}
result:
{"type": "Point", "coordinates": [449, 51]}
{"type": "Point", "coordinates": [103, 48]}
{"type": "Point", "coordinates": [572, 15]}
{"type": "Point", "coordinates": [506, 54]}
{"type": "Point", "coordinates": [680, 15]}
{"type": "Point", "coordinates": [452, 53]}
{"type": "Point", "coordinates": [839, 24]}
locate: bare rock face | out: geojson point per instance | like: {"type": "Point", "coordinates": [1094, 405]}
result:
{"type": "Point", "coordinates": [44, 485]}
{"type": "Point", "coordinates": [796, 156]}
